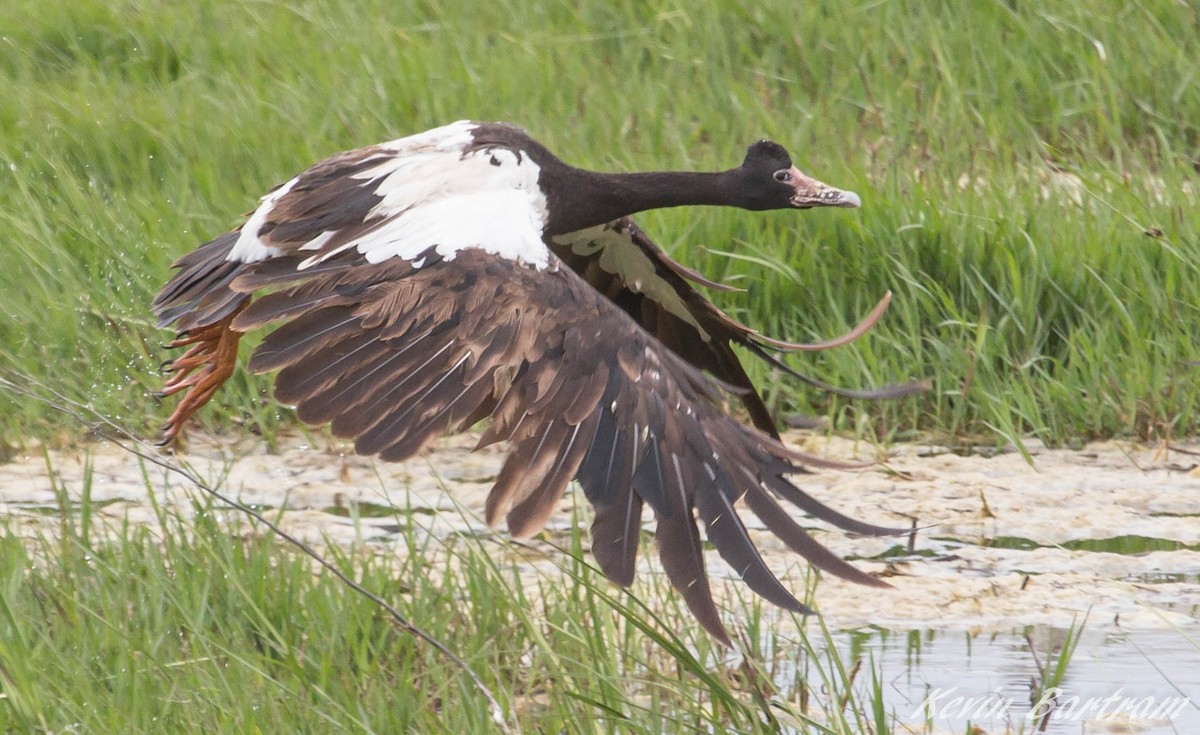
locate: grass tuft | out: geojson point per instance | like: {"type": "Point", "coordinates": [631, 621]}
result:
{"type": "Point", "coordinates": [207, 622]}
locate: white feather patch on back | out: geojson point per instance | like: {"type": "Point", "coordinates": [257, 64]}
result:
{"type": "Point", "coordinates": [486, 200]}
{"type": "Point", "coordinates": [448, 141]}
{"type": "Point", "coordinates": [453, 137]}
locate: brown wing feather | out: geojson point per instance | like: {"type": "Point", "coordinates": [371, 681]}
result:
{"type": "Point", "coordinates": [393, 356]}
{"type": "Point", "coordinates": [334, 200]}
{"type": "Point", "coordinates": [332, 196]}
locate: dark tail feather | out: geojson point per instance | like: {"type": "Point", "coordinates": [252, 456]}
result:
{"type": "Point", "coordinates": [200, 294]}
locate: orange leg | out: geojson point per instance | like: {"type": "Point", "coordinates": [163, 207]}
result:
{"type": "Point", "coordinates": [206, 365]}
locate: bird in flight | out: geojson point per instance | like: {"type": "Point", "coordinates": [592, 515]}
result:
{"type": "Point", "coordinates": [420, 286]}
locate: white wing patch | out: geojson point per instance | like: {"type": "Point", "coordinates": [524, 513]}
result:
{"type": "Point", "coordinates": [319, 241]}
{"type": "Point", "coordinates": [486, 200]}
{"type": "Point", "coordinates": [434, 195]}
{"type": "Point", "coordinates": [621, 257]}
{"type": "Point", "coordinates": [248, 248]}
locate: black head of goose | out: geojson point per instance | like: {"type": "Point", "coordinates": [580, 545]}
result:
{"type": "Point", "coordinates": [467, 274]}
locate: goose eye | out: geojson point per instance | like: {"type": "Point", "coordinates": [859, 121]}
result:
{"type": "Point", "coordinates": [783, 175]}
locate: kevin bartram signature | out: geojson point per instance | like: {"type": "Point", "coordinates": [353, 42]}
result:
{"type": "Point", "coordinates": [948, 704]}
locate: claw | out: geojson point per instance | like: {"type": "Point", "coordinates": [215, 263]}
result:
{"type": "Point", "coordinates": [202, 369]}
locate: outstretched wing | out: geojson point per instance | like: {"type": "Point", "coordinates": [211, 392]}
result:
{"type": "Point", "coordinates": [393, 355]}
{"type": "Point", "coordinates": [620, 261]}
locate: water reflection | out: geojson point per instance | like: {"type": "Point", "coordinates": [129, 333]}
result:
{"type": "Point", "coordinates": [938, 681]}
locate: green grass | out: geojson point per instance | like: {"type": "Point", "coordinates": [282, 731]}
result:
{"type": "Point", "coordinates": [132, 131]}
{"type": "Point", "coordinates": [209, 623]}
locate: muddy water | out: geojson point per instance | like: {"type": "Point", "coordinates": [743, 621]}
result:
{"type": "Point", "coordinates": [1005, 549]}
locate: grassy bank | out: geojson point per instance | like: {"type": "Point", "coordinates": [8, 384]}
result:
{"type": "Point", "coordinates": [1028, 172]}
{"type": "Point", "coordinates": [210, 623]}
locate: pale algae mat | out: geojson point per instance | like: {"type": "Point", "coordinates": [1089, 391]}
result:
{"type": "Point", "coordinates": [1008, 554]}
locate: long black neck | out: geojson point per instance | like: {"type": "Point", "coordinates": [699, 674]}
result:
{"type": "Point", "coordinates": [578, 199]}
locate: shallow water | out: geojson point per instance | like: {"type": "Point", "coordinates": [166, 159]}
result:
{"type": "Point", "coordinates": [1144, 681]}
{"type": "Point", "coordinates": [1111, 532]}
